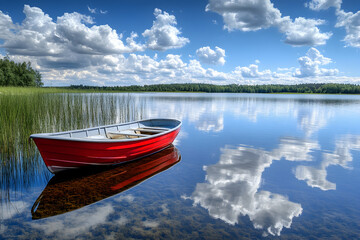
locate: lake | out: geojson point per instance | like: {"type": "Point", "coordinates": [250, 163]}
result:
{"type": "Point", "coordinates": [244, 166]}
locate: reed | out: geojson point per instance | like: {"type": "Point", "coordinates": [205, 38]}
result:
{"type": "Point", "coordinates": [27, 111]}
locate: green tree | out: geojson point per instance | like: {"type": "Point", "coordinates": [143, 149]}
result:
{"type": "Point", "coordinates": [18, 74]}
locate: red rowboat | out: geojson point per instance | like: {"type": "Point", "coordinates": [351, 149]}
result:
{"type": "Point", "coordinates": [105, 145]}
{"type": "Point", "coordinates": [68, 192]}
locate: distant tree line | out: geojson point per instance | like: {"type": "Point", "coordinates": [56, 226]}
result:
{"type": "Point", "coordinates": [18, 74]}
{"type": "Point", "coordinates": [330, 88]}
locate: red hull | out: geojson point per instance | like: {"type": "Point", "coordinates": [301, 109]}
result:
{"type": "Point", "coordinates": [62, 154]}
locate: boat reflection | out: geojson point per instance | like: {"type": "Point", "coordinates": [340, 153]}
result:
{"type": "Point", "coordinates": [73, 190]}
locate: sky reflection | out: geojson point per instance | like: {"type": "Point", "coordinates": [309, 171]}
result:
{"type": "Point", "coordinates": [252, 164]}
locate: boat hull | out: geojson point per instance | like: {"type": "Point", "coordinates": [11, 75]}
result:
{"type": "Point", "coordinates": [62, 154]}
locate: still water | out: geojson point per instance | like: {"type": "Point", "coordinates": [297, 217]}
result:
{"type": "Point", "coordinates": [244, 166]}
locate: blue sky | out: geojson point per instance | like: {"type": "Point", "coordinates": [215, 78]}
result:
{"type": "Point", "coordinates": [167, 41]}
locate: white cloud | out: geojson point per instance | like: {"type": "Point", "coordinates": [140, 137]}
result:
{"type": "Point", "coordinates": [68, 38]}
{"type": "Point", "coordinates": [74, 50]}
{"type": "Point", "coordinates": [172, 62]}
{"type": "Point", "coordinates": [96, 40]}
{"type": "Point", "coordinates": [91, 10]}
{"type": "Point", "coordinates": [35, 37]}
{"type": "Point", "coordinates": [351, 22]}
{"type": "Point", "coordinates": [95, 11]}
{"type": "Point", "coordinates": [323, 4]}
{"type": "Point", "coordinates": [163, 35]}
{"type": "Point", "coordinates": [245, 15]}
{"type": "Point", "coordinates": [142, 69]}
{"type": "Point", "coordinates": [303, 31]}
{"type": "Point", "coordinates": [6, 25]}
{"type": "Point", "coordinates": [209, 56]}
{"type": "Point", "coordinates": [254, 15]}
{"type": "Point", "coordinates": [253, 72]}
{"type": "Point", "coordinates": [310, 65]}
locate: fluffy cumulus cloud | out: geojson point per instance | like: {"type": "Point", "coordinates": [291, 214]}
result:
{"type": "Point", "coordinates": [323, 4]}
{"type": "Point", "coordinates": [72, 49]}
{"type": "Point", "coordinates": [351, 22]}
{"type": "Point", "coordinates": [245, 15]}
{"type": "Point", "coordinates": [6, 25]}
{"type": "Point", "coordinates": [303, 31]}
{"type": "Point", "coordinates": [67, 39]}
{"type": "Point", "coordinates": [252, 71]}
{"type": "Point", "coordinates": [35, 37]}
{"type": "Point", "coordinates": [209, 56]}
{"type": "Point", "coordinates": [254, 15]}
{"type": "Point", "coordinates": [94, 40]}
{"type": "Point", "coordinates": [163, 35]}
{"type": "Point", "coordinates": [73, 35]}
{"type": "Point", "coordinates": [310, 65]}
{"type": "Point", "coordinates": [348, 20]}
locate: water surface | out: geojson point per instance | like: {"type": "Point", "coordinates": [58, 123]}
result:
{"type": "Point", "coordinates": [252, 166]}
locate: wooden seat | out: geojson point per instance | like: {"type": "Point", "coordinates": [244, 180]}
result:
{"type": "Point", "coordinates": [119, 135]}
{"type": "Point", "coordinates": [148, 130]}
{"type": "Point", "coordinates": [155, 128]}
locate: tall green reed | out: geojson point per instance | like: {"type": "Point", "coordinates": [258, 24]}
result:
{"type": "Point", "coordinates": [35, 112]}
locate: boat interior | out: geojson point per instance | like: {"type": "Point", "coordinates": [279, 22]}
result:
{"type": "Point", "coordinates": [135, 133]}
{"type": "Point", "coordinates": [122, 131]}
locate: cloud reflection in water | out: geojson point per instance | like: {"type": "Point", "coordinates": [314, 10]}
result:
{"type": "Point", "coordinates": [85, 220]}
{"type": "Point", "coordinates": [232, 186]}
{"type": "Point", "coordinates": [341, 156]}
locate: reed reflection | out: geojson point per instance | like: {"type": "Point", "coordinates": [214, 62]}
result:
{"type": "Point", "coordinates": [64, 193]}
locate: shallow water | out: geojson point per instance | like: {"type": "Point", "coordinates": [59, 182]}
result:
{"type": "Point", "coordinates": [251, 166]}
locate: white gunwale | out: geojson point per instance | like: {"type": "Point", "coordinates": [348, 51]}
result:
{"type": "Point", "coordinates": [55, 136]}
